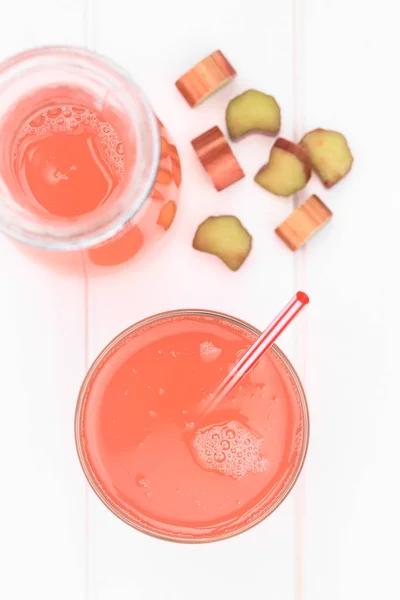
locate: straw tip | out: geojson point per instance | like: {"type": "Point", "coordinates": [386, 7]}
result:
{"type": "Point", "coordinates": [302, 297]}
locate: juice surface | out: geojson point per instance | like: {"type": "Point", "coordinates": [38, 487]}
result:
{"type": "Point", "coordinates": [145, 453]}
{"type": "Point", "coordinates": [67, 161]}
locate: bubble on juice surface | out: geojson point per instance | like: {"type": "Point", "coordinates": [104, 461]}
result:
{"type": "Point", "coordinates": [141, 481]}
{"type": "Point", "coordinates": [219, 456]}
{"type": "Point", "coordinates": [38, 121]}
{"type": "Point", "coordinates": [61, 176]}
{"type": "Point", "coordinates": [215, 452]}
{"type": "Point", "coordinates": [209, 352]}
{"type": "Point", "coordinates": [52, 113]}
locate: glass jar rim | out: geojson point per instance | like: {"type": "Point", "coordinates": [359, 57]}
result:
{"type": "Point", "coordinates": [95, 231]}
{"type": "Point", "coordinates": [79, 413]}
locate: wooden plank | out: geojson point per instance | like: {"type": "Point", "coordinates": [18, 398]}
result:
{"type": "Point", "coordinates": [42, 503]}
{"type": "Point", "coordinates": [158, 45]}
{"type": "Point", "coordinates": [352, 494]}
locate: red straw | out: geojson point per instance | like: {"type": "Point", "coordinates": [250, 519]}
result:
{"type": "Point", "coordinates": [254, 353]}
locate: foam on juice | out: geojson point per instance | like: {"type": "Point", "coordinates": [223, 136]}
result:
{"type": "Point", "coordinates": [229, 448]}
{"type": "Point", "coordinates": [70, 119]}
{"type": "Point", "coordinates": [209, 352]}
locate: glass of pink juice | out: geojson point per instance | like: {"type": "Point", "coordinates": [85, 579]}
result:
{"type": "Point", "coordinates": [84, 162]}
{"type": "Point", "coordinates": [142, 452]}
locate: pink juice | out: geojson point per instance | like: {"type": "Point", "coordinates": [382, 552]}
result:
{"type": "Point", "coordinates": [144, 455]}
{"type": "Point", "coordinates": [84, 162]}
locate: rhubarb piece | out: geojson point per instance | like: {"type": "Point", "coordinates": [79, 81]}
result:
{"type": "Point", "coordinates": [156, 195]}
{"type": "Point", "coordinates": [329, 153]}
{"type": "Point", "coordinates": [176, 171]}
{"type": "Point", "coordinates": [304, 222]}
{"type": "Point", "coordinates": [224, 237]}
{"type": "Point", "coordinates": [167, 215]}
{"type": "Point", "coordinates": [176, 168]}
{"type": "Point", "coordinates": [164, 176]}
{"type": "Point", "coordinates": [287, 170]}
{"type": "Point", "coordinates": [173, 152]}
{"type": "Point", "coordinates": [205, 78]}
{"type": "Point", "coordinates": [253, 112]}
{"type": "Point", "coordinates": [217, 158]}
{"type": "Point", "coordinates": [164, 147]}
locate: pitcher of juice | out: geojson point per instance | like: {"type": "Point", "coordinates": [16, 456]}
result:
{"type": "Point", "coordinates": [85, 164]}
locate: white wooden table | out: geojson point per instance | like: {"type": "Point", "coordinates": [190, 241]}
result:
{"type": "Point", "coordinates": [330, 63]}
